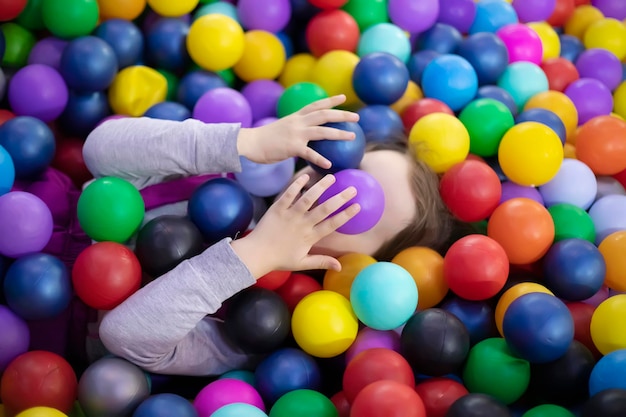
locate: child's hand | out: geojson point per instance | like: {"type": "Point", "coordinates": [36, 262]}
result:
{"type": "Point", "coordinates": [289, 136]}
{"type": "Point", "coordinates": [291, 226]}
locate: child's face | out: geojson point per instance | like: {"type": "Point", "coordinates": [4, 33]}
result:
{"type": "Point", "coordinates": [392, 170]}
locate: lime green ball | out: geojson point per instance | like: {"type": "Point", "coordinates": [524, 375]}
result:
{"type": "Point", "coordinates": [228, 75]}
{"type": "Point", "coordinates": [31, 17]}
{"type": "Point", "coordinates": [492, 369]}
{"type": "Point", "coordinates": [303, 402]}
{"type": "Point", "coordinates": [110, 209]}
{"type": "Point", "coordinates": [297, 96]}
{"type": "Point", "coordinates": [367, 13]}
{"type": "Point", "coordinates": [486, 121]}
{"type": "Point", "coordinates": [571, 222]}
{"type": "Point", "coordinates": [19, 42]}
{"type": "Point", "coordinates": [172, 84]}
{"type": "Point", "coordinates": [69, 19]}
{"type": "Point", "coordinates": [548, 410]}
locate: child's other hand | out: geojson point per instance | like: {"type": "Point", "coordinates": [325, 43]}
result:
{"type": "Point", "coordinates": [289, 136]}
{"type": "Point", "coordinates": [292, 225]}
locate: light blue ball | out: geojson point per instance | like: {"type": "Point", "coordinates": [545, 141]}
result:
{"type": "Point", "coordinates": [523, 80]}
{"type": "Point", "coordinates": [7, 171]}
{"type": "Point", "coordinates": [491, 15]}
{"type": "Point", "coordinates": [238, 410]}
{"type": "Point", "coordinates": [219, 7]}
{"type": "Point", "coordinates": [608, 372]}
{"type": "Point", "coordinates": [265, 180]}
{"type": "Point", "coordinates": [385, 37]}
{"type": "Point", "coordinates": [384, 296]}
{"type": "Point", "coordinates": [450, 79]}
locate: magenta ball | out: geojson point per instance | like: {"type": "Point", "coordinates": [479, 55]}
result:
{"type": "Point", "coordinates": [602, 65]}
{"type": "Point", "coordinates": [533, 10]}
{"type": "Point", "coordinates": [457, 13]}
{"type": "Point", "coordinates": [262, 95]}
{"type": "Point", "coordinates": [25, 224]}
{"type": "Point", "coordinates": [369, 338]}
{"type": "Point", "coordinates": [39, 91]}
{"type": "Point", "coordinates": [370, 197]}
{"type": "Point", "coordinates": [223, 105]}
{"type": "Point", "coordinates": [223, 392]}
{"type": "Point", "coordinates": [269, 15]}
{"type": "Point", "coordinates": [522, 43]}
{"type": "Point", "coordinates": [15, 337]}
{"type": "Point", "coordinates": [590, 97]}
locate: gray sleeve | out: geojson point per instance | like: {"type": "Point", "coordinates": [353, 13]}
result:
{"type": "Point", "coordinates": [163, 327]}
{"type": "Point", "coordinates": [148, 151]}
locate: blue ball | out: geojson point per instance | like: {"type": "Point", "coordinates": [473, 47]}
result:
{"type": "Point", "coordinates": [125, 38]}
{"type": "Point", "coordinates": [287, 42]}
{"type": "Point", "coordinates": [83, 112]}
{"type": "Point", "coordinates": [286, 370]}
{"type": "Point", "coordinates": [380, 78]}
{"type": "Point", "coordinates": [417, 62]}
{"type": "Point", "coordinates": [608, 373]}
{"type": "Point", "coordinates": [538, 327]}
{"type": "Point", "coordinates": [343, 154]}
{"type": "Point", "coordinates": [3, 45]}
{"type": "Point", "coordinates": [380, 123]}
{"type": "Point", "coordinates": [546, 117]}
{"type": "Point", "coordinates": [7, 171]}
{"type": "Point", "coordinates": [574, 269]}
{"type": "Point", "coordinates": [571, 47]}
{"type": "Point", "coordinates": [166, 46]}
{"type": "Point", "coordinates": [220, 208]}
{"type": "Point", "coordinates": [37, 286]}
{"type": "Point", "coordinates": [487, 53]}
{"type": "Point", "coordinates": [31, 144]}
{"type": "Point", "coordinates": [477, 316]}
{"type": "Point", "coordinates": [194, 84]}
{"type": "Point", "coordinates": [491, 15]}
{"type": "Point", "coordinates": [450, 79]}
{"type": "Point", "coordinates": [498, 93]}
{"type": "Point", "coordinates": [88, 64]}
{"type": "Point", "coordinates": [440, 38]}
{"type": "Point", "coordinates": [165, 405]}
{"type": "Point", "coordinates": [168, 110]}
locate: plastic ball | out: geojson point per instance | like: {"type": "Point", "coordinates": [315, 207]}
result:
{"type": "Point", "coordinates": [83, 113]}
{"type": "Point", "coordinates": [380, 123]}
{"type": "Point", "coordinates": [26, 224]}
{"type": "Point", "coordinates": [563, 9]}
{"type": "Point", "coordinates": [606, 330]}
{"type": "Point", "coordinates": [262, 96]}
{"type": "Point", "coordinates": [608, 215]}
{"type": "Point", "coordinates": [591, 97]}
{"type": "Point", "coordinates": [606, 403]}
{"type": "Point", "coordinates": [194, 84]}
{"type": "Point", "coordinates": [571, 222]}
{"type": "Point", "coordinates": [333, 72]}
{"type": "Point", "coordinates": [328, 4]}
{"type": "Point", "coordinates": [47, 51]}
{"type": "Point", "coordinates": [512, 190]}
{"type": "Point", "coordinates": [302, 402]}
{"type": "Point", "coordinates": [522, 43]}
{"type": "Point", "coordinates": [224, 392]}
{"type": "Point", "coordinates": [457, 13]}
{"type": "Point", "coordinates": [11, 10]}
{"type": "Point", "coordinates": [545, 117]}
{"type": "Point", "coordinates": [324, 324]}
{"type": "Point", "coordinates": [457, 72]}
{"type": "Point", "coordinates": [602, 65]}
{"type": "Point", "coordinates": [273, 280]}
{"type": "Point", "coordinates": [296, 288]}
{"type": "Point", "coordinates": [163, 405]}
{"type": "Point", "coordinates": [486, 120]}
{"type": "Point", "coordinates": [380, 78]}
{"type": "Point", "coordinates": [607, 33]}
{"type": "Point", "coordinates": [476, 267]}
{"type": "Point", "coordinates": [412, 17]}
{"type": "Point", "coordinates": [601, 145]}
{"type": "Point", "coordinates": [605, 372]}
{"type": "Point", "coordinates": [512, 294]}
{"type": "Point", "coordinates": [574, 184]}
{"type": "Point", "coordinates": [39, 91]}
{"type": "Point", "coordinates": [385, 37]}
{"type": "Point", "coordinates": [582, 313]}
{"type": "Point", "coordinates": [550, 42]}
{"type": "Point", "coordinates": [412, 93]}
{"type": "Point", "coordinates": [487, 54]}
{"type": "Point", "coordinates": [441, 38]}
{"type": "Point", "coordinates": [30, 144]}
{"type": "Point", "coordinates": [88, 64]}
{"type": "Point", "coordinates": [560, 73]}
{"type": "Point", "coordinates": [263, 56]}
{"type": "Point", "coordinates": [571, 47]}
{"type": "Point", "coordinates": [426, 267]}
{"type": "Point", "coordinates": [169, 9]}
{"type": "Point", "coordinates": [271, 16]}
{"type": "Point", "coordinates": [238, 409]}
{"type": "Point", "coordinates": [491, 16]}
{"type": "Point", "coordinates": [41, 412]}
{"type": "Point", "coordinates": [331, 30]}
{"type": "Point", "coordinates": [499, 94]}
{"type": "Point", "coordinates": [351, 264]}
{"type": "Point", "coordinates": [16, 338]}
{"type": "Point", "coordinates": [561, 105]}
{"type": "Point", "coordinates": [477, 316]}
{"type": "Point", "coordinates": [533, 11]}
{"type": "Point", "coordinates": [135, 89]}
{"type": "Point", "coordinates": [215, 42]}
{"type": "Point", "coordinates": [297, 96]}
{"type": "Point", "coordinates": [387, 397]}
{"type": "Point", "coordinates": [342, 154]}
{"type": "Point", "coordinates": [120, 9]}
{"type": "Point", "coordinates": [367, 12]}
{"type": "Point", "coordinates": [420, 108]}
{"type": "Point", "coordinates": [369, 338]}
{"type": "Point", "coordinates": [438, 394]}
{"type": "Point", "coordinates": [68, 159]}
{"type": "Point", "coordinates": [523, 80]}
{"type": "Point", "coordinates": [80, 22]}
{"type": "Point", "coordinates": [165, 44]}
{"type": "Point", "coordinates": [611, 8]}
{"type": "Point", "coordinates": [418, 61]}
{"type": "Point", "coordinates": [265, 180]}
{"type": "Point", "coordinates": [18, 42]}
{"type": "Point", "coordinates": [611, 248]}
{"type": "Point", "coordinates": [223, 105]}
{"type": "Point", "coordinates": [168, 110]}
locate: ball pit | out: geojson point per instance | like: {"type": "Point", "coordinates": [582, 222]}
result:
{"type": "Point", "coordinates": [517, 105]}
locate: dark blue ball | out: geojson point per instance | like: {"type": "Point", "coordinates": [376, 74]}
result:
{"type": "Point", "coordinates": [494, 163]}
{"type": "Point", "coordinates": [380, 123]}
{"type": "Point", "coordinates": [571, 47]}
{"type": "Point", "coordinates": [417, 62]}
{"type": "Point", "coordinates": [287, 43]}
{"type": "Point", "coordinates": [83, 112]}
{"type": "Point", "coordinates": [165, 405]}
{"type": "Point", "coordinates": [380, 78]}
{"type": "Point", "coordinates": [574, 269]}
{"type": "Point", "coordinates": [477, 316]}
{"type": "Point", "coordinates": [546, 117]}
{"type": "Point", "coordinates": [441, 38]}
{"type": "Point", "coordinates": [88, 64]}
{"type": "Point", "coordinates": [3, 45]}
{"type": "Point", "coordinates": [343, 154]}
{"type": "Point", "coordinates": [498, 93]}
{"type": "Point", "coordinates": [37, 286]}
{"type": "Point", "coordinates": [194, 84]}
{"type": "Point", "coordinates": [487, 53]}
{"type": "Point", "coordinates": [220, 208]}
{"type": "Point", "coordinates": [31, 144]}
{"type": "Point", "coordinates": [168, 110]}
{"type": "Point", "coordinates": [125, 38]}
{"type": "Point", "coordinates": [166, 46]}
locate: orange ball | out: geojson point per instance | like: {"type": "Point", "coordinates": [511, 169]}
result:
{"type": "Point", "coordinates": [351, 265]}
{"type": "Point", "coordinates": [524, 228]}
{"type": "Point", "coordinates": [613, 248]}
{"type": "Point", "coordinates": [121, 9]}
{"type": "Point", "coordinates": [426, 267]}
{"type": "Point", "coordinates": [513, 294]}
{"type": "Point", "coordinates": [601, 144]}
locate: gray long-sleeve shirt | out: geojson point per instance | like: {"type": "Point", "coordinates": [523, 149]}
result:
{"type": "Point", "coordinates": [164, 327]}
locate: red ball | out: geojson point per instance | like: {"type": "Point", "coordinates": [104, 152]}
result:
{"type": "Point", "coordinates": [373, 365]}
{"type": "Point", "coordinates": [273, 280]}
{"type": "Point", "coordinates": [476, 267]}
{"type": "Point", "coordinates": [621, 177]}
{"type": "Point", "coordinates": [438, 394]}
{"type": "Point", "coordinates": [563, 10]}
{"type": "Point", "coordinates": [105, 274]}
{"type": "Point", "coordinates": [341, 403]}
{"type": "Point", "coordinates": [5, 115]}
{"type": "Point", "coordinates": [582, 313]}
{"type": "Point", "coordinates": [560, 73]}
{"type": "Point", "coordinates": [471, 189]}
{"type": "Point", "coordinates": [68, 159]}
{"type": "Point", "coordinates": [420, 108]}
{"type": "Point", "coordinates": [296, 288]}
{"type": "Point", "coordinates": [332, 30]}
{"type": "Point", "coordinates": [38, 378]}
{"type": "Point", "coordinates": [328, 4]}
{"type": "Point", "coordinates": [388, 398]}
{"type": "Point", "coordinates": [10, 9]}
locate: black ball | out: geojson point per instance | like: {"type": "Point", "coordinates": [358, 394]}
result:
{"type": "Point", "coordinates": [607, 403]}
{"type": "Point", "coordinates": [258, 320]}
{"type": "Point", "coordinates": [478, 405]}
{"type": "Point", "coordinates": [166, 241]}
{"type": "Point", "coordinates": [435, 342]}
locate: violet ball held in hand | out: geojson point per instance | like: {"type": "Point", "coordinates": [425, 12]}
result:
{"type": "Point", "coordinates": [343, 154]}
{"type": "Point", "coordinates": [370, 196]}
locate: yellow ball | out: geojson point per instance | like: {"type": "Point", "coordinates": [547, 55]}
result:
{"type": "Point", "coordinates": [609, 34]}
{"type": "Point", "coordinates": [549, 39]}
{"type": "Point", "coordinates": [215, 42]}
{"type": "Point", "coordinates": [323, 324]}
{"type": "Point", "coordinates": [333, 72]}
{"type": "Point", "coordinates": [341, 281]}
{"type": "Point", "coordinates": [170, 8]}
{"type": "Point", "coordinates": [569, 151]}
{"type": "Point", "coordinates": [135, 89]}
{"type": "Point", "coordinates": [608, 327]}
{"type": "Point", "coordinates": [561, 105]}
{"type": "Point", "coordinates": [619, 100]}
{"type": "Point", "coordinates": [412, 93]}
{"type": "Point", "coordinates": [582, 17]}
{"type": "Point", "coordinates": [513, 294]}
{"type": "Point", "coordinates": [441, 140]}
{"type": "Point", "coordinates": [298, 68]}
{"type": "Point", "coordinates": [41, 412]}
{"type": "Point", "coordinates": [263, 57]}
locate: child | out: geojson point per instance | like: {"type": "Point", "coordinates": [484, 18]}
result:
{"type": "Point", "coordinates": [164, 327]}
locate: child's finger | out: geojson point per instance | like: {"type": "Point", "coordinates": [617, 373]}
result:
{"type": "Point", "coordinates": [336, 221]}
{"type": "Point", "coordinates": [313, 262]}
{"type": "Point", "coordinates": [331, 133]}
{"type": "Point", "coordinates": [334, 203]}
{"type": "Point", "coordinates": [315, 158]}
{"type": "Point", "coordinates": [308, 199]}
{"type": "Point", "coordinates": [325, 103]}
{"type": "Point", "coordinates": [292, 192]}
{"type": "Point", "coordinates": [321, 117]}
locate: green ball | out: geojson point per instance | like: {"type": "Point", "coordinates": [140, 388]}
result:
{"type": "Point", "coordinates": [297, 96]}
{"type": "Point", "coordinates": [571, 222]}
{"type": "Point", "coordinates": [69, 19]}
{"type": "Point", "coordinates": [303, 403]}
{"type": "Point", "coordinates": [172, 84]}
{"type": "Point", "coordinates": [486, 121]}
{"type": "Point", "coordinates": [491, 368]}
{"type": "Point", "coordinates": [19, 41]}
{"type": "Point", "coordinates": [110, 209]}
{"type": "Point", "coordinates": [228, 75]}
{"type": "Point", "coordinates": [367, 13]}
{"type": "Point", "coordinates": [31, 17]}
{"type": "Point", "coordinates": [548, 410]}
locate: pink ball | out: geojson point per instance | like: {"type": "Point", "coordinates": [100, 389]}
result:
{"type": "Point", "coordinates": [369, 338]}
{"type": "Point", "coordinates": [522, 43]}
{"type": "Point", "coordinates": [223, 392]}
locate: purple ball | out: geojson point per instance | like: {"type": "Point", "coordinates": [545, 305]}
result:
{"type": "Point", "coordinates": [413, 16]}
{"type": "Point", "coordinates": [512, 190]}
{"type": "Point", "coordinates": [533, 10]}
{"type": "Point", "coordinates": [226, 391]}
{"type": "Point", "coordinates": [269, 15]}
{"type": "Point", "coordinates": [39, 91]}
{"type": "Point", "coordinates": [591, 98]}
{"type": "Point", "coordinates": [15, 337]}
{"type": "Point", "coordinates": [264, 121]}
{"type": "Point", "coordinates": [370, 196]}
{"type": "Point", "coordinates": [369, 338]}
{"type": "Point", "coordinates": [262, 95]}
{"type": "Point", "coordinates": [223, 105]}
{"type": "Point", "coordinates": [48, 51]}
{"type": "Point", "coordinates": [25, 224]}
{"type": "Point", "coordinates": [601, 65]}
{"type": "Point", "coordinates": [457, 13]}
{"type": "Point", "coordinates": [611, 8]}
{"type": "Point", "coordinates": [608, 214]}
